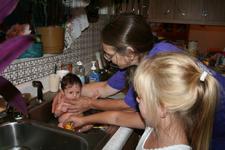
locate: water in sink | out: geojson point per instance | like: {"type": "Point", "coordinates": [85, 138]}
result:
{"type": "Point", "coordinates": [27, 135]}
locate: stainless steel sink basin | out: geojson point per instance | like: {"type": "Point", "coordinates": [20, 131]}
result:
{"type": "Point", "coordinates": [30, 135]}
{"type": "Point", "coordinates": [41, 113]}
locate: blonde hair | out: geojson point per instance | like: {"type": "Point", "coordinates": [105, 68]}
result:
{"type": "Point", "coordinates": [172, 80]}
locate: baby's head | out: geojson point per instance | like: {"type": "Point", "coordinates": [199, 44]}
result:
{"type": "Point", "coordinates": [71, 86]}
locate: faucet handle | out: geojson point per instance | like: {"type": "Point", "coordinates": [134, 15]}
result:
{"type": "Point", "coordinates": [39, 86]}
{"type": "Point", "coordinates": [14, 115]}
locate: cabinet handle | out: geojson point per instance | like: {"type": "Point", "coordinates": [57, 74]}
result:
{"type": "Point", "coordinates": [167, 12]}
{"type": "Point", "coordinates": [183, 13]}
{"type": "Point", "coordinates": [205, 13]}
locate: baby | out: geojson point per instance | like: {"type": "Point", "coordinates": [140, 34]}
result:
{"type": "Point", "coordinates": [71, 88]}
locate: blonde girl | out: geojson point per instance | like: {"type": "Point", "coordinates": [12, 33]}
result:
{"type": "Point", "coordinates": [177, 100]}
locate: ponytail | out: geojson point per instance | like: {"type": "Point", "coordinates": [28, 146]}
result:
{"type": "Point", "coordinates": [203, 122]}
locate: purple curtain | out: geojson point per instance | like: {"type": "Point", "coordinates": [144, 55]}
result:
{"type": "Point", "coordinates": [6, 8]}
{"type": "Point", "coordinates": [9, 51]}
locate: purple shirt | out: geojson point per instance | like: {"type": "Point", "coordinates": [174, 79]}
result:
{"type": "Point", "coordinates": [118, 80]}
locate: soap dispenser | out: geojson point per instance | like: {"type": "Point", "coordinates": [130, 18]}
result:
{"type": "Point", "coordinates": [94, 74]}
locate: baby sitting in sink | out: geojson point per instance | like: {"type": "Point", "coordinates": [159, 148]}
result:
{"type": "Point", "coordinates": [71, 89]}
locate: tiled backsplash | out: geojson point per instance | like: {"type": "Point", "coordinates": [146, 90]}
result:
{"type": "Point", "coordinates": [83, 48]}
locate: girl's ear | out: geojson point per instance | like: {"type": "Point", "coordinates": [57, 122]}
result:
{"type": "Point", "coordinates": [163, 112]}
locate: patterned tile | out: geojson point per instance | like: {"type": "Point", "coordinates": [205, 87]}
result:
{"type": "Point", "coordinates": [83, 48]}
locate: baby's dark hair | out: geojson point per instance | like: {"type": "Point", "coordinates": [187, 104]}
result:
{"type": "Point", "coordinates": [70, 79]}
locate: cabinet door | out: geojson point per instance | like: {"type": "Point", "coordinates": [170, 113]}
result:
{"type": "Point", "coordinates": [206, 12]}
{"type": "Point", "coordinates": [214, 12]}
{"type": "Point", "coordinates": [188, 10]}
{"type": "Point", "coordinates": [161, 10]}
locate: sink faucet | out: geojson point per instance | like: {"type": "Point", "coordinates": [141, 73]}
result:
{"type": "Point", "coordinates": [12, 95]}
{"type": "Point", "coordinates": [39, 86]}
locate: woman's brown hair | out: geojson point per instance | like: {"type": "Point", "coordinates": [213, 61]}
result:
{"type": "Point", "coordinates": [128, 30]}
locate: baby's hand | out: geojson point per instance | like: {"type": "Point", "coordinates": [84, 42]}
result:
{"type": "Point", "coordinates": [58, 99]}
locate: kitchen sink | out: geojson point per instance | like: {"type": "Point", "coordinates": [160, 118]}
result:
{"type": "Point", "coordinates": [31, 135]}
{"type": "Point", "coordinates": [41, 112]}
{"type": "Point", "coordinates": [96, 137]}
{"type": "Point", "coordinates": [40, 131]}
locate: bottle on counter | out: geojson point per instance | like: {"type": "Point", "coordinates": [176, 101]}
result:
{"type": "Point", "coordinates": [193, 48]}
{"type": "Point", "coordinates": [94, 74]}
{"type": "Point", "coordinates": [80, 71]}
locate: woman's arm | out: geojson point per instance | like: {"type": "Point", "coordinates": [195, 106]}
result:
{"type": "Point", "coordinates": [91, 90]}
{"type": "Point", "coordinates": [85, 103]}
{"type": "Point", "coordinates": [119, 118]}
{"type": "Point", "coordinates": [98, 89]}
{"type": "Point", "coordinates": [90, 101]}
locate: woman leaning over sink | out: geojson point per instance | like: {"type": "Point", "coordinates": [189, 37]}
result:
{"type": "Point", "coordinates": [126, 41]}
{"type": "Point", "coordinates": [177, 99]}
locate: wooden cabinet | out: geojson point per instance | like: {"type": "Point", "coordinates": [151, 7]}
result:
{"type": "Point", "coordinates": [161, 10]}
{"type": "Point", "coordinates": [214, 11]}
{"type": "Point", "coordinates": [187, 11]}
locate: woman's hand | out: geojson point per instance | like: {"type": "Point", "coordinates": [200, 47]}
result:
{"type": "Point", "coordinates": [57, 100]}
{"type": "Point", "coordinates": [70, 117]}
{"type": "Point", "coordinates": [79, 105]}
{"type": "Point", "coordinates": [60, 109]}
{"type": "Point", "coordinates": [78, 122]}
{"type": "Point", "coordinates": [61, 105]}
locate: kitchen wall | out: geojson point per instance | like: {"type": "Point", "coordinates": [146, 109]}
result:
{"type": "Point", "coordinates": [22, 71]}
{"type": "Point", "coordinates": [208, 36]}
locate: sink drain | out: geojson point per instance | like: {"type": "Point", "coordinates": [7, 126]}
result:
{"type": "Point", "coordinates": [19, 148]}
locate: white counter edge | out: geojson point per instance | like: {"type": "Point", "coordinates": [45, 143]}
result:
{"type": "Point", "coordinates": [119, 139]}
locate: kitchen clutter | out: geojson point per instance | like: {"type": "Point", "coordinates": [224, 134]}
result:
{"type": "Point", "coordinates": [35, 49]}
{"type": "Point", "coordinates": [75, 26]}
{"type": "Point", "coordinates": [76, 3]}
{"type": "Point", "coordinates": [215, 59]}
{"type": "Point", "coordinates": [62, 73]}
{"type": "Point", "coordinates": [55, 78]}
{"type": "Point", "coordinates": [193, 48]}
{"type": "Point", "coordinates": [79, 70]}
{"type": "Point", "coordinates": [52, 38]}
{"type": "Point", "coordinates": [94, 75]}
{"type": "Point", "coordinates": [51, 29]}
{"type": "Point", "coordinates": [54, 81]}
{"type": "Point", "coordinates": [97, 70]}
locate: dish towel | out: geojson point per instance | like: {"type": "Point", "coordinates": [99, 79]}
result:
{"type": "Point", "coordinates": [78, 24]}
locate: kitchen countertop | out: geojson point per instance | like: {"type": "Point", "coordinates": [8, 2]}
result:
{"type": "Point", "coordinates": [119, 139]}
